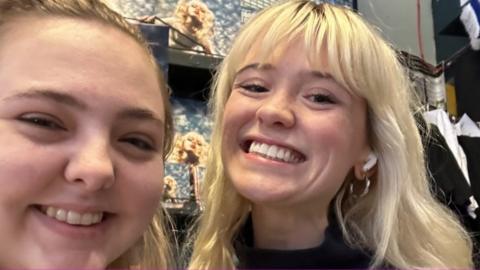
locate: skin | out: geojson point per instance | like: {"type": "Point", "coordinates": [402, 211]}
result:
{"type": "Point", "coordinates": [287, 103]}
{"type": "Point", "coordinates": [82, 119]}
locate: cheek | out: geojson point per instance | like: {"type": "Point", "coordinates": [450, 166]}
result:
{"type": "Point", "coordinates": [26, 173]}
{"type": "Point", "coordinates": [349, 130]}
{"type": "Point", "coordinates": [348, 139]}
{"type": "Point", "coordinates": [237, 113]}
{"type": "Point", "coordinates": [337, 143]}
{"type": "Point", "coordinates": [330, 132]}
{"type": "Point", "coordinates": [143, 188]}
{"type": "Point", "coordinates": [233, 121]}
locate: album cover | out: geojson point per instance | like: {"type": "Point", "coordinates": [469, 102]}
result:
{"type": "Point", "coordinates": [196, 26]}
{"type": "Point", "coordinates": [199, 26]}
{"type": "Point", "coordinates": [185, 167]}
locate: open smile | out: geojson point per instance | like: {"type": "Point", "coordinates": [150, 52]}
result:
{"type": "Point", "coordinates": [273, 152]}
{"type": "Point", "coordinates": [71, 217]}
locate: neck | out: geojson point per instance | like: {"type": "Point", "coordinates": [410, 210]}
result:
{"type": "Point", "coordinates": [281, 229]}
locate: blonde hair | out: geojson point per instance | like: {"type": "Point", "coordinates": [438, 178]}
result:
{"type": "Point", "coordinates": [398, 220]}
{"type": "Point", "coordinates": [153, 250]}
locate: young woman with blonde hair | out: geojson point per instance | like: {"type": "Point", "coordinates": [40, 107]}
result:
{"type": "Point", "coordinates": [85, 128]}
{"type": "Point", "coordinates": [316, 159]}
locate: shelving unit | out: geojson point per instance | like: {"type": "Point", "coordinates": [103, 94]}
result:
{"type": "Point", "coordinates": [193, 60]}
{"type": "Point", "coordinates": [450, 35]}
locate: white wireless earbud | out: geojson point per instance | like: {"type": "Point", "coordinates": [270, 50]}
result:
{"type": "Point", "coordinates": [371, 161]}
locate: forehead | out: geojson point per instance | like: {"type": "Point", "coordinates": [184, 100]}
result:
{"type": "Point", "coordinates": [77, 33]}
{"type": "Point", "coordinates": [74, 54]}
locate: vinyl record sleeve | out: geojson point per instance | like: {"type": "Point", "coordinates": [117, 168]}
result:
{"type": "Point", "coordinates": [185, 167]}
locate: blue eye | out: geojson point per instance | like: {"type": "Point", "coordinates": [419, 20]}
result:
{"type": "Point", "coordinates": [254, 88]}
{"type": "Point", "coordinates": [42, 122]}
{"type": "Point", "coordinates": [139, 143]}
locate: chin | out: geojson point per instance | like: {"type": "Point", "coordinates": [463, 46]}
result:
{"type": "Point", "coordinates": [258, 196]}
{"type": "Point", "coordinates": [70, 262]}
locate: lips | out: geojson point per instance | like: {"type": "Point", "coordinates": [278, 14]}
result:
{"type": "Point", "coordinates": [73, 217]}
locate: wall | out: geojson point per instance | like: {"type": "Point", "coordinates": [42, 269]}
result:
{"type": "Point", "coordinates": [397, 19]}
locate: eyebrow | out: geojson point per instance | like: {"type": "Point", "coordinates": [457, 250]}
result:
{"type": "Point", "coordinates": [50, 95]}
{"type": "Point", "coordinates": [140, 114]}
{"type": "Point", "coordinates": [254, 66]}
{"type": "Point", "coordinates": [130, 112]}
{"type": "Point", "coordinates": [315, 73]}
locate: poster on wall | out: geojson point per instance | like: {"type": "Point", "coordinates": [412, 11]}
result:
{"type": "Point", "coordinates": [196, 26]}
{"type": "Point", "coordinates": [199, 26]}
{"type": "Point", "coordinates": [185, 167]}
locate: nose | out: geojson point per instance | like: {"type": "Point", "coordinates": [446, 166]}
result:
{"type": "Point", "coordinates": [90, 165]}
{"type": "Point", "coordinates": [276, 110]}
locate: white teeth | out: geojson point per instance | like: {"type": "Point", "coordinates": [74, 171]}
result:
{"type": "Point", "coordinates": [280, 153]}
{"type": "Point", "coordinates": [287, 155]}
{"type": "Point", "coordinates": [263, 149]}
{"type": "Point", "coordinates": [87, 219]}
{"type": "Point", "coordinates": [272, 151]}
{"type": "Point", "coordinates": [61, 215]}
{"type": "Point", "coordinates": [96, 218]}
{"type": "Point", "coordinates": [253, 147]}
{"type": "Point", "coordinates": [72, 217]}
{"type": "Point", "coordinates": [275, 152]}
{"type": "Point", "coordinates": [51, 212]}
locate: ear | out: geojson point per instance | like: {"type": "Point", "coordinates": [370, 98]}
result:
{"type": "Point", "coordinates": [366, 166]}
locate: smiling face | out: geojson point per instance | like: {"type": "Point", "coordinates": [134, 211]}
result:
{"type": "Point", "coordinates": [291, 134]}
{"type": "Point", "coordinates": [81, 120]}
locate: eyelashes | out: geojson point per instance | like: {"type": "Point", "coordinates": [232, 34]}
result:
{"type": "Point", "coordinates": [50, 126]}
{"type": "Point", "coordinates": [42, 121]}
{"type": "Point", "coordinates": [317, 98]}
{"type": "Point", "coordinates": [321, 98]}
{"type": "Point", "coordinates": [255, 88]}
{"type": "Point", "coordinates": [139, 143]}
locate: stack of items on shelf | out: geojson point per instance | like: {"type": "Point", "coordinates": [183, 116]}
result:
{"type": "Point", "coordinates": [428, 80]}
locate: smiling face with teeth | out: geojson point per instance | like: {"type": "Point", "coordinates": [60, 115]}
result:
{"type": "Point", "coordinates": [291, 134]}
{"type": "Point", "coordinates": [82, 130]}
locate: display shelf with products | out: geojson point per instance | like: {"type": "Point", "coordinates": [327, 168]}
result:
{"type": "Point", "coordinates": [194, 60]}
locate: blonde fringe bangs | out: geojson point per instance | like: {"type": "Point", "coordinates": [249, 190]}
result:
{"type": "Point", "coordinates": [396, 217]}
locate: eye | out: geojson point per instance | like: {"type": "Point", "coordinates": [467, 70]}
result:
{"type": "Point", "coordinates": [321, 98]}
{"type": "Point", "coordinates": [139, 143]}
{"type": "Point", "coordinates": [42, 121]}
{"type": "Point", "coordinates": [256, 88]}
